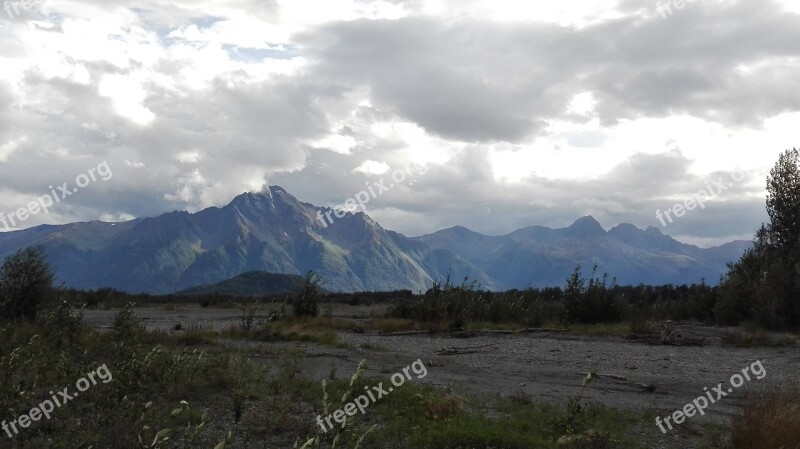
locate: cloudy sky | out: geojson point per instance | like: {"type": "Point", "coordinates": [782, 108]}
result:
{"type": "Point", "coordinates": [518, 112]}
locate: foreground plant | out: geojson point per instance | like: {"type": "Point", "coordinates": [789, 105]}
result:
{"type": "Point", "coordinates": [326, 406]}
{"type": "Point", "coordinates": [575, 407]}
{"type": "Point", "coordinates": [162, 436]}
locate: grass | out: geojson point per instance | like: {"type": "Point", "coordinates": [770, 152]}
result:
{"type": "Point", "coordinates": [321, 323]}
{"type": "Point", "coordinates": [182, 380]}
{"type": "Point", "coordinates": [373, 347]}
{"type": "Point", "coordinates": [485, 325]}
{"type": "Point", "coordinates": [600, 330]}
{"type": "Point", "coordinates": [769, 420]}
{"type": "Point", "coordinates": [757, 338]}
{"type": "Point", "coordinates": [426, 417]}
{"type": "Point", "coordinates": [265, 403]}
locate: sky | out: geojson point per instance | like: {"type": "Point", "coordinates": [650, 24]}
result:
{"type": "Point", "coordinates": [491, 114]}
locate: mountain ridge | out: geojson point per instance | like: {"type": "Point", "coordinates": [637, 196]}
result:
{"type": "Point", "coordinates": [550, 252]}
{"type": "Point", "coordinates": [273, 231]}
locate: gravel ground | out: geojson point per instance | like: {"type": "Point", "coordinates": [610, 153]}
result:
{"type": "Point", "coordinates": [545, 367]}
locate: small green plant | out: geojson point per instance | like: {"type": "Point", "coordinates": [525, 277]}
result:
{"type": "Point", "coordinates": [163, 437]}
{"type": "Point", "coordinates": [160, 437]}
{"type": "Point", "coordinates": [581, 438]}
{"type": "Point", "coordinates": [239, 396]}
{"type": "Point", "coordinates": [326, 407]}
{"type": "Point", "coordinates": [575, 405]}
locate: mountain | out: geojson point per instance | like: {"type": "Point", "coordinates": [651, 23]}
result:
{"type": "Point", "coordinates": [540, 256]}
{"type": "Point", "coordinates": [265, 231]}
{"type": "Point", "coordinates": [274, 232]}
{"type": "Point", "coordinates": [252, 283]}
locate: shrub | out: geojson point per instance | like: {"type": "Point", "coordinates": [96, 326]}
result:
{"type": "Point", "coordinates": [127, 324]}
{"type": "Point", "coordinates": [592, 303]}
{"type": "Point", "coordinates": [63, 326]}
{"type": "Point", "coordinates": [306, 301]}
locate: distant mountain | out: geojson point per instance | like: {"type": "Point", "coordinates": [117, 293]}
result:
{"type": "Point", "coordinates": [540, 256]}
{"type": "Point", "coordinates": [252, 283]}
{"type": "Point", "coordinates": [265, 231]}
{"type": "Point", "coordinates": [274, 232]}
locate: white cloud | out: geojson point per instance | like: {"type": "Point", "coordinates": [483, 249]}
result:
{"type": "Point", "coordinates": [116, 218]}
{"type": "Point", "coordinates": [582, 104]}
{"type": "Point", "coordinates": [127, 95]}
{"type": "Point", "coordinates": [337, 143]}
{"type": "Point", "coordinates": [8, 148]}
{"type": "Point", "coordinates": [189, 157]}
{"type": "Point", "coordinates": [370, 167]}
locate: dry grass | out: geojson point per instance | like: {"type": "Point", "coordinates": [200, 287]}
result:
{"type": "Point", "coordinates": [297, 324]}
{"type": "Point", "coordinates": [443, 406]}
{"type": "Point", "coordinates": [484, 325]}
{"type": "Point", "coordinates": [389, 325]}
{"type": "Point", "coordinates": [757, 338]}
{"type": "Point", "coordinates": [769, 420]}
{"type": "Point", "coordinates": [600, 330]}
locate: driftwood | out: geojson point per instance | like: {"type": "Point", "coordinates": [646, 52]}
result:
{"type": "Point", "coordinates": [624, 380]}
{"type": "Point", "coordinates": [400, 334]}
{"type": "Point", "coordinates": [613, 376]}
{"type": "Point", "coordinates": [476, 332]}
{"type": "Point", "coordinates": [531, 330]}
{"type": "Point", "coordinates": [527, 330]}
{"type": "Point", "coordinates": [610, 376]}
{"type": "Point", "coordinates": [667, 338]}
{"type": "Point", "coordinates": [465, 350]}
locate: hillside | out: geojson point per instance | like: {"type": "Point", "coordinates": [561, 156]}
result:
{"type": "Point", "coordinates": [252, 283]}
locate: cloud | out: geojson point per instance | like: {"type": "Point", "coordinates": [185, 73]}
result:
{"type": "Point", "coordinates": [524, 113]}
{"type": "Point", "coordinates": [370, 167]}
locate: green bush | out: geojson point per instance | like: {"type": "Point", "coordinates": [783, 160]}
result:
{"type": "Point", "coordinates": [306, 301]}
{"type": "Point", "coordinates": [26, 280]}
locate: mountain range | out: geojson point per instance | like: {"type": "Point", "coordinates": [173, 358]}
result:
{"type": "Point", "coordinates": [273, 231]}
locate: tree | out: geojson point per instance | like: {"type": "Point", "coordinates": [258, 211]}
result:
{"type": "Point", "coordinates": [783, 203]}
{"type": "Point", "coordinates": [26, 280]}
{"type": "Point", "coordinates": [306, 301]}
{"type": "Point", "coordinates": [764, 285]}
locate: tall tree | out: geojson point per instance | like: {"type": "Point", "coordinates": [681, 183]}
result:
{"type": "Point", "coordinates": [26, 280]}
{"type": "Point", "coordinates": [764, 285]}
{"type": "Point", "coordinates": [783, 204]}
